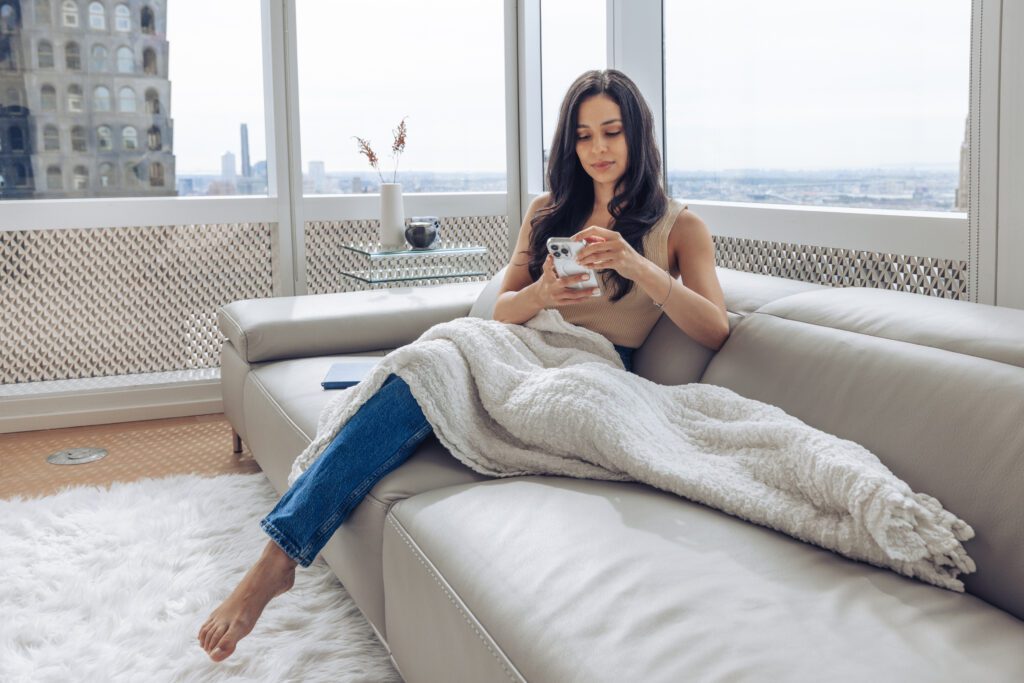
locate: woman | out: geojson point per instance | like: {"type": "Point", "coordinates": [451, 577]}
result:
{"type": "Point", "coordinates": [605, 179]}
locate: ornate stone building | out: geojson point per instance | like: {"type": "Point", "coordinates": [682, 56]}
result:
{"type": "Point", "coordinates": [86, 85]}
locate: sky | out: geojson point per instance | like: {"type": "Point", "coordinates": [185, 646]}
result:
{"type": "Point", "coordinates": [787, 84]}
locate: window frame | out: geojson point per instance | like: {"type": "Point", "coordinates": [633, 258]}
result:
{"type": "Point", "coordinates": [630, 40]}
{"type": "Point", "coordinates": [101, 15]}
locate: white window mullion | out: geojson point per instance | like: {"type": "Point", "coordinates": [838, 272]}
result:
{"type": "Point", "coordinates": [513, 164]}
{"type": "Point", "coordinates": [984, 150]}
{"type": "Point", "coordinates": [1009, 274]}
{"type": "Point", "coordinates": [531, 112]}
{"type": "Point", "coordinates": [635, 47]}
{"type": "Point", "coordinates": [284, 170]}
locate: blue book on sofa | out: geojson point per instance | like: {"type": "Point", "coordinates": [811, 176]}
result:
{"type": "Point", "coordinates": [348, 373]}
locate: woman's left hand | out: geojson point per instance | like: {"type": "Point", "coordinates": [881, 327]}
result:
{"type": "Point", "coordinates": [606, 249]}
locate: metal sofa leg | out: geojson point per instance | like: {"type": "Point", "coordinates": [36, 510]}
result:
{"type": "Point", "coordinates": [236, 440]}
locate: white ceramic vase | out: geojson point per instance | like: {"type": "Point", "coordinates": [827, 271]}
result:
{"type": "Point", "coordinates": [392, 217]}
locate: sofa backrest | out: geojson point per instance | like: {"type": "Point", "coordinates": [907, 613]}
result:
{"type": "Point", "coordinates": [935, 388]}
{"type": "Point", "coordinates": [668, 356]}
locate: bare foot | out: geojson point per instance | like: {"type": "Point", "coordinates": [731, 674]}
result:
{"type": "Point", "coordinates": [273, 574]}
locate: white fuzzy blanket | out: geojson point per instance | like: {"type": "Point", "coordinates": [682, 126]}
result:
{"type": "Point", "coordinates": [553, 398]}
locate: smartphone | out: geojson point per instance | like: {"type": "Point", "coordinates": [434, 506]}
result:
{"type": "Point", "coordinates": [564, 251]}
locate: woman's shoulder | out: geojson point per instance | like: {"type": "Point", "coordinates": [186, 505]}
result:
{"type": "Point", "coordinates": [687, 227]}
{"type": "Point", "coordinates": [541, 201]}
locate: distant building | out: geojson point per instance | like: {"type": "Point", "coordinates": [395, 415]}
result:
{"type": "Point", "coordinates": [246, 168]}
{"type": "Point", "coordinates": [227, 167]}
{"type": "Point", "coordinates": [963, 186]}
{"type": "Point", "coordinates": [85, 99]}
{"type": "Point", "coordinates": [318, 176]}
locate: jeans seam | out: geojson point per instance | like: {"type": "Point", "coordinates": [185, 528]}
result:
{"type": "Point", "coordinates": [284, 543]}
{"type": "Point", "coordinates": [330, 525]}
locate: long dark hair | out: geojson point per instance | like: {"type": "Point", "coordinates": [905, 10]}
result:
{"type": "Point", "coordinates": [639, 199]}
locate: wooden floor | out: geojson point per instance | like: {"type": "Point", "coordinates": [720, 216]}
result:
{"type": "Point", "coordinates": [136, 450]}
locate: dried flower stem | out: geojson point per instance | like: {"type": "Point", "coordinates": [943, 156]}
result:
{"type": "Point", "coordinates": [397, 147]}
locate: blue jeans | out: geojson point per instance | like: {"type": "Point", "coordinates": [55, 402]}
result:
{"type": "Point", "coordinates": [382, 435]}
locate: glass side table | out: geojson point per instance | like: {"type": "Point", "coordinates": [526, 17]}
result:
{"type": "Point", "coordinates": [380, 272]}
{"type": "Point", "coordinates": [375, 251]}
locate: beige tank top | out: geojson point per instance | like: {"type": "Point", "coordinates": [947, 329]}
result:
{"type": "Point", "coordinates": [628, 321]}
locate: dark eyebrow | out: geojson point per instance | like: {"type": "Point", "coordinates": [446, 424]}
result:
{"type": "Point", "coordinates": [603, 123]}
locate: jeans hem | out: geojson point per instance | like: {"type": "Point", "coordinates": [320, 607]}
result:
{"type": "Point", "coordinates": [289, 548]}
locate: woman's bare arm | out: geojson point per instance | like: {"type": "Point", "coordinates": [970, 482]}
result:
{"type": "Point", "coordinates": [520, 297]}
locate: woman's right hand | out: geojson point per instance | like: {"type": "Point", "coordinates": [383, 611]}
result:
{"type": "Point", "coordinates": [554, 291]}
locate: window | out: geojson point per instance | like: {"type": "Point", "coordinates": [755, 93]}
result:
{"type": "Point", "coordinates": [13, 96]}
{"type": "Point", "coordinates": [822, 104]}
{"type": "Point", "coordinates": [8, 20]}
{"type": "Point", "coordinates": [129, 138]}
{"type": "Point", "coordinates": [51, 139]}
{"type": "Point", "coordinates": [43, 16]}
{"type": "Point", "coordinates": [20, 174]}
{"type": "Point", "coordinates": [97, 16]}
{"type": "Point", "coordinates": [152, 101]}
{"type": "Point", "coordinates": [78, 141]}
{"type": "Point", "coordinates": [16, 137]}
{"type": "Point", "coordinates": [101, 99]}
{"type": "Point", "coordinates": [153, 137]}
{"type": "Point", "coordinates": [132, 174]}
{"type": "Point", "coordinates": [74, 98]}
{"type": "Point", "coordinates": [208, 109]}
{"type": "Point", "coordinates": [456, 142]}
{"type": "Point", "coordinates": [73, 57]}
{"type": "Point", "coordinates": [54, 178]}
{"type": "Point", "coordinates": [156, 174]}
{"type": "Point", "coordinates": [104, 139]}
{"type": "Point", "coordinates": [69, 13]}
{"type": "Point", "coordinates": [148, 21]}
{"type": "Point", "coordinates": [125, 60]}
{"type": "Point", "coordinates": [48, 98]}
{"type": "Point", "coordinates": [126, 100]}
{"type": "Point", "coordinates": [44, 53]}
{"type": "Point", "coordinates": [80, 178]}
{"type": "Point", "coordinates": [563, 61]}
{"type": "Point", "coordinates": [99, 58]}
{"type": "Point", "coordinates": [122, 18]}
{"type": "Point", "coordinates": [106, 174]}
{"type": "Point", "coordinates": [149, 62]}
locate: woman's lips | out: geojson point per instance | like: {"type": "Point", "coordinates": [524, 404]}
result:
{"type": "Point", "coordinates": [603, 165]}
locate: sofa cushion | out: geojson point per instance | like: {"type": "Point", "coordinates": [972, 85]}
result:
{"type": "Point", "coordinates": [935, 388]}
{"type": "Point", "coordinates": [282, 401]}
{"type": "Point", "coordinates": [668, 356]}
{"type": "Point", "coordinates": [578, 580]}
{"type": "Point", "coordinates": [346, 322]}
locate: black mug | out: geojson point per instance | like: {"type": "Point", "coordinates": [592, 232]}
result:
{"type": "Point", "coordinates": [422, 231]}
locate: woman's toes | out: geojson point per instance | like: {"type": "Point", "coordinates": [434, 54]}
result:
{"type": "Point", "coordinates": [216, 633]}
{"type": "Point", "coordinates": [219, 654]}
{"type": "Point", "coordinates": [226, 644]}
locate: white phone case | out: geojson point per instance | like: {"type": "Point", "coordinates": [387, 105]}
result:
{"type": "Point", "coordinates": [564, 251]}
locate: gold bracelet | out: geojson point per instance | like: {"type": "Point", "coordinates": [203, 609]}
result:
{"type": "Point", "coordinates": [670, 279]}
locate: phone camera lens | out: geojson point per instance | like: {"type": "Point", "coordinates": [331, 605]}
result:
{"type": "Point", "coordinates": [565, 252]}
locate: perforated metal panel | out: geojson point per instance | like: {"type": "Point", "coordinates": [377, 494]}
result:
{"type": "Point", "coordinates": [117, 301]}
{"type": "Point", "coordinates": [845, 267]}
{"type": "Point", "coordinates": [326, 259]}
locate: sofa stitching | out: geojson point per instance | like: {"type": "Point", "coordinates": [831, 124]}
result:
{"type": "Point", "coordinates": [241, 331]}
{"type": "Point", "coordinates": [451, 598]}
{"type": "Point", "coordinates": [270, 397]}
{"type": "Point", "coordinates": [878, 336]}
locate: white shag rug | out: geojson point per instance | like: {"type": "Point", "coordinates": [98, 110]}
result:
{"type": "Point", "coordinates": [113, 585]}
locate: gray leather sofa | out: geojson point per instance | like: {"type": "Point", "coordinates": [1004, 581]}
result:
{"type": "Point", "coordinates": [466, 578]}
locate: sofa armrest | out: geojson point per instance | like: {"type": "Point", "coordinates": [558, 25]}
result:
{"type": "Point", "coordinates": [347, 322]}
